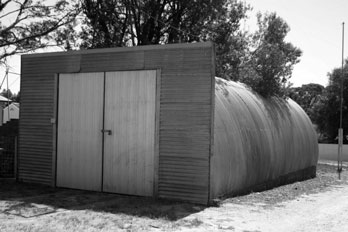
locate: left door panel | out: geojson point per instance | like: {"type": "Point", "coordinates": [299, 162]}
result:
{"type": "Point", "coordinates": [79, 139]}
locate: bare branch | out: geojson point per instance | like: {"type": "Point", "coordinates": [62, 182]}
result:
{"type": "Point", "coordinates": [31, 28]}
{"type": "Point", "coordinates": [53, 28]}
{"type": "Point", "coordinates": [3, 5]}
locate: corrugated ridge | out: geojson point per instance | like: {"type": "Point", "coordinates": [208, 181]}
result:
{"type": "Point", "coordinates": [257, 139]}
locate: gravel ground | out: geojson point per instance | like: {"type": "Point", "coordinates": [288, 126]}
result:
{"type": "Point", "coordinates": [25, 207]}
{"type": "Point", "coordinates": [327, 176]}
{"type": "Point", "coordinates": [319, 204]}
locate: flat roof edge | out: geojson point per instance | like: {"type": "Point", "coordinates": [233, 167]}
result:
{"type": "Point", "coordinates": [123, 49]}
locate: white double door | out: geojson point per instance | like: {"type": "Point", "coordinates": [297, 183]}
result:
{"type": "Point", "coordinates": [106, 131]}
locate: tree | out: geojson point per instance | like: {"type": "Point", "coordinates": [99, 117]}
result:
{"type": "Point", "coordinates": [6, 93]}
{"type": "Point", "coordinates": [271, 59]}
{"type": "Point", "coordinates": [16, 97]}
{"type": "Point", "coordinates": [116, 23]}
{"type": "Point", "coordinates": [327, 110]}
{"type": "Point", "coordinates": [263, 60]}
{"type": "Point", "coordinates": [27, 25]}
{"type": "Point", "coordinates": [308, 97]}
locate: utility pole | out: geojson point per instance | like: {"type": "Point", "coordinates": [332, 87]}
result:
{"type": "Point", "coordinates": [8, 97]}
{"type": "Point", "coordinates": [340, 130]}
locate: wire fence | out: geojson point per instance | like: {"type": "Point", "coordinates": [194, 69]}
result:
{"type": "Point", "coordinates": [8, 156]}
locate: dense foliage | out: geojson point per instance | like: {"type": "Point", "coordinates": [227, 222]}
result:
{"type": "Point", "coordinates": [308, 97]}
{"type": "Point", "coordinates": [323, 104]}
{"type": "Point", "coordinates": [271, 62]}
{"type": "Point", "coordinates": [327, 111]}
{"type": "Point", "coordinates": [132, 23]}
{"type": "Point", "coordinates": [261, 59]}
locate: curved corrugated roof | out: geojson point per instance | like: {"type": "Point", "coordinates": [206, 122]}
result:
{"type": "Point", "coordinates": [257, 140]}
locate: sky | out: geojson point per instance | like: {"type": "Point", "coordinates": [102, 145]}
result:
{"type": "Point", "coordinates": [316, 28]}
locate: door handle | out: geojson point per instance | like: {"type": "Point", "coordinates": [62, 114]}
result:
{"type": "Point", "coordinates": [107, 131]}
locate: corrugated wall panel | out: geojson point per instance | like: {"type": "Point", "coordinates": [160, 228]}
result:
{"type": "Point", "coordinates": [184, 122]}
{"type": "Point", "coordinates": [37, 104]}
{"type": "Point", "coordinates": [113, 61]}
{"type": "Point", "coordinates": [185, 110]}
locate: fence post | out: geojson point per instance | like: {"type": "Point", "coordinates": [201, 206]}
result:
{"type": "Point", "coordinates": [15, 158]}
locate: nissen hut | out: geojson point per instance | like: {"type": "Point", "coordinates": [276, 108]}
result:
{"type": "Point", "coordinates": [154, 121]}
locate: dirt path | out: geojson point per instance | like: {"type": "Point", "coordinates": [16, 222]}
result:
{"type": "Point", "coordinates": [319, 204]}
{"type": "Point", "coordinates": [326, 211]}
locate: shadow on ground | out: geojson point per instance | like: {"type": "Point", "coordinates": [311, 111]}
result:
{"type": "Point", "coordinates": [32, 200]}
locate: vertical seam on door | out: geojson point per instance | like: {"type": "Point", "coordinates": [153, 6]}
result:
{"type": "Point", "coordinates": [56, 125]}
{"type": "Point", "coordinates": [103, 134]}
{"type": "Point", "coordinates": [157, 125]}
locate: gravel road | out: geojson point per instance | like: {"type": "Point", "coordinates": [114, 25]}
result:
{"type": "Point", "coordinates": [326, 210]}
{"type": "Point", "coordinates": [318, 204]}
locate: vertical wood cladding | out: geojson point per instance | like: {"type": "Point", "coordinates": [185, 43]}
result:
{"type": "Point", "coordinates": [185, 110]}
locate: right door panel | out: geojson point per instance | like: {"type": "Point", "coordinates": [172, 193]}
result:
{"type": "Point", "coordinates": [130, 105]}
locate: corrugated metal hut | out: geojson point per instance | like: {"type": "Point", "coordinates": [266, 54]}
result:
{"type": "Point", "coordinates": [258, 143]}
{"type": "Point", "coordinates": [154, 121]}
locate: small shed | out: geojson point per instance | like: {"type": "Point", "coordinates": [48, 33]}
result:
{"type": "Point", "coordinates": [3, 102]}
{"type": "Point", "coordinates": [10, 112]}
{"type": "Point", "coordinates": [154, 121]}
